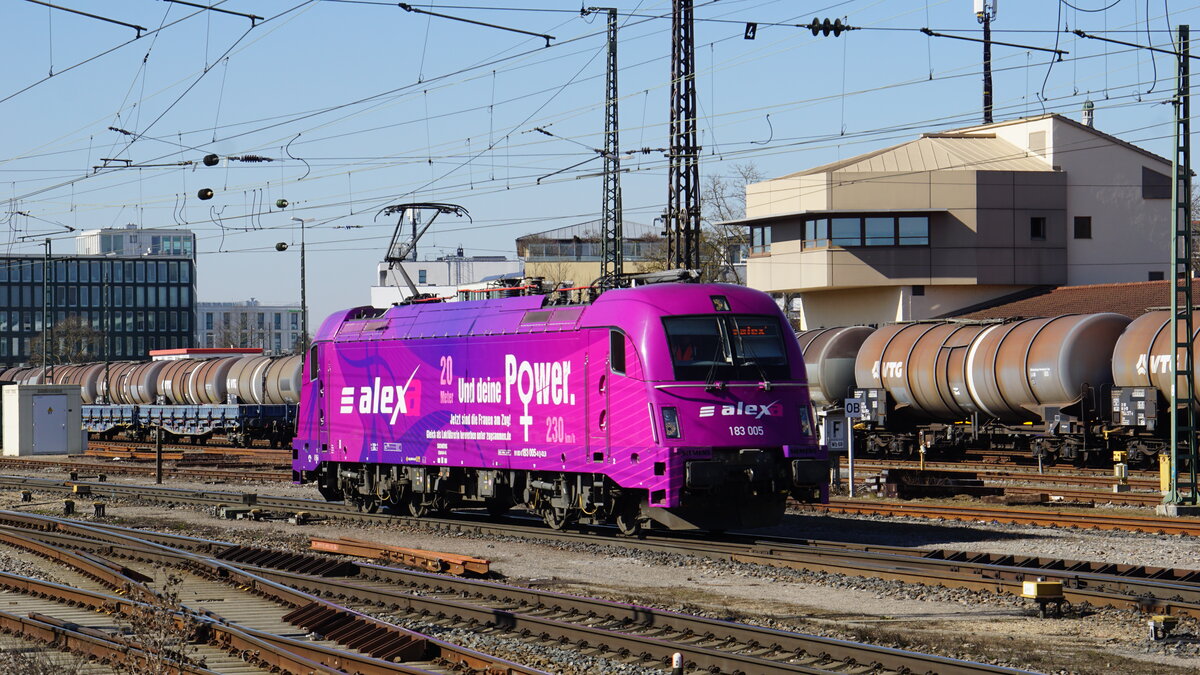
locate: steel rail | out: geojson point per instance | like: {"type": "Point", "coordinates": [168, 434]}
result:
{"type": "Point", "coordinates": [1089, 496]}
{"type": "Point", "coordinates": [1099, 521]}
{"type": "Point", "coordinates": [1141, 479]}
{"type": "Point", "coordinates": [762, 650]}
{"type": "Point", "coordinates": [206, 473]}
{"type": "Point", "coordinates": [68, 638]}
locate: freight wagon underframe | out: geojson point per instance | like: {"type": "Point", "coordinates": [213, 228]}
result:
{"type": "Point", "coordinates": [241, 424]}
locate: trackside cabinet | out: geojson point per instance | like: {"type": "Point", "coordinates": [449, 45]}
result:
{"type": "Point", "coordinates": [42, 419]}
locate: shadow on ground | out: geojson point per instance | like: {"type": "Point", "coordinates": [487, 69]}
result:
{"type": "Point", "coordinates": [885, 532]}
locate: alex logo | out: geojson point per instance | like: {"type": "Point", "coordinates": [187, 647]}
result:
{"type": "Point", "coordinates": [748, 410]}
{"type": "Point", "coordinates": [392, 400]}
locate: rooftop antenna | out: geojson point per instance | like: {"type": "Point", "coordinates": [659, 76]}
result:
{"type": "Point", "coordinates": [398, 251]}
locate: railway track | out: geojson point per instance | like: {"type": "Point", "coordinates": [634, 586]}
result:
{"type": "Point", "coordinates": [1099, 584]}
{"type": "Point", "coordinates": [131, 601]}
{"type": "Point", "coordinates": [261, 451]}
{"type": "Point", "coordinates": [1146, 480]}
{"type": "Point", "coordinates": [1067, 485]}
{"type": "Point", "coordinates": [97, 469]}
{"type": "Point", "coordinates": [594, 627]}
{"type": "Point", "coordinates": [1097, 521]}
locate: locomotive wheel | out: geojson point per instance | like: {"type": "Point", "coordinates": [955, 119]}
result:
{"type": "Point", "coordinates": [417, 507]}
{"type": "Point", "coordinates": [556, 519]}
{"type": "Point", "coordinates": [367, 505]}
{"type": "Point", "coordinates": [627, 516]}
{"type": "Point", "coordinates": [629, 524]}
{"type": "Point", "coordinates": [497, 507]}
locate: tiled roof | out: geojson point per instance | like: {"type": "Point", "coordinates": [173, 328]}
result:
{"type": "Point", "coordinates": [1131, 299]}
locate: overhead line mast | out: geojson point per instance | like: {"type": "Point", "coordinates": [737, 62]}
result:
{"type": "Point", "coordinates": [1183, 487]}
{"type": "Point", "coordinates": [682, 217]}
{"type": "Point", "coordinates": [613, 264]}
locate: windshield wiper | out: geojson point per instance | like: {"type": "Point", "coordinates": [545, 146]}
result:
{"type": "Point", "coordinates": [762, 374]}
{"type": "Point", "coordinates": [712, 369]}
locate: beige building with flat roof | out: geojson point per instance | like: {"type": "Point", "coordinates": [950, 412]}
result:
{"type": "Point", "coordinates": [959, 219]}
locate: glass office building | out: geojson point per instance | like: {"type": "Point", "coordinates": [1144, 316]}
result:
{"type": "Point", "coordinates": [132, 304]}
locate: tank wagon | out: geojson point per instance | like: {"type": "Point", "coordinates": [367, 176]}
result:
{"type": "Point", "coordinates": [1142, 372]}
{"type": "Point", "coordinates": [1042, 387]}
{"type": "Point", "coordinates": [679, 404]}
{"type": "Point", "coordinates": [244, 398]}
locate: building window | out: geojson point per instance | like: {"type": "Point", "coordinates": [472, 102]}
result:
{"type": "Point", "coordinates": [845, 231]}
{"type": "Point", "coordinates": [1155, 185]}
{"type": "Point", "coordinates": [1083, 227]}
{"type": "Point", "coordinates": [1037, 228]}
{"type": "Point", "coordinates": [422, 276]}
{"type": "Point", "coordinates": [1156, 276]}
{"type": "Point", "coordinates": [208, 321]}
{"type": "Point", "coordinates": [760, 240]}
{"type": "Point", "coordinates": [880, 231]}
{"type": "Point", "coordinates": [913, 230]}
{"type": "Point", "coordinates": [866, 231]}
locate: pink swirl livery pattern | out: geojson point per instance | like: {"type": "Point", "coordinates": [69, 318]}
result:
{"type": "Point", "coordinates": [682, 404]}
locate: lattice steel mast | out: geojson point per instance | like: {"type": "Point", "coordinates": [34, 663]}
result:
{"type": "Point", "coordinates": [682, 217]}
{"type": "Point", "coordinates": [613, 264]}
{"type": "Point", "coordinates": [1183, 414]}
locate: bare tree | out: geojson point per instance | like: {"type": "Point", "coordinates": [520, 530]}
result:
{"type": "Point", "coordinates": [73, 341]}
{"type": "Point", "coordinates": [723, 199]}
{"type": "Point", "coordinates": [165, 630]}
{"type": "Point", "coordinates": [237, 330]}
{"type": "Point", "coordinates": [722, 243]}
{"type": "Point", "coordinates": [36, 661]}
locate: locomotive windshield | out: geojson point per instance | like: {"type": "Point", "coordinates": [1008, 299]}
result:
{"type": "Point", "coordinates": [735, 347]}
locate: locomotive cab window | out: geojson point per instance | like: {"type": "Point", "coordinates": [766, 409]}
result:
{"type": "Point", "coordinates": [616, 351]}
{"type": "Point", "coordinates": [313, 370]}
{"type": "Point", "coordinates": [738, 347]}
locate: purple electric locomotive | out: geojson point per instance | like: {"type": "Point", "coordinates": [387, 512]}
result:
{"type": "Point", "coordinates": [683, 404]}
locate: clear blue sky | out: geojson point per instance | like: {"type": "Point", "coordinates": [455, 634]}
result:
{"type": "Point", "coordinates": [381, 106]}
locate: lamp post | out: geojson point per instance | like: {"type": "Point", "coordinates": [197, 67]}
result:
{"type": "Point", "coordinates": [47, 338]}
{"type": "Point", "coordinates": [282, 246]}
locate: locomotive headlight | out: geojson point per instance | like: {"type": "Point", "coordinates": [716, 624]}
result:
{"type": "Point", "coordinates": [670, 418]}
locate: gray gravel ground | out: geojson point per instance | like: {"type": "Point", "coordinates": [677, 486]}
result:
{"type": "Point", "coordinates": [952, 622]}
